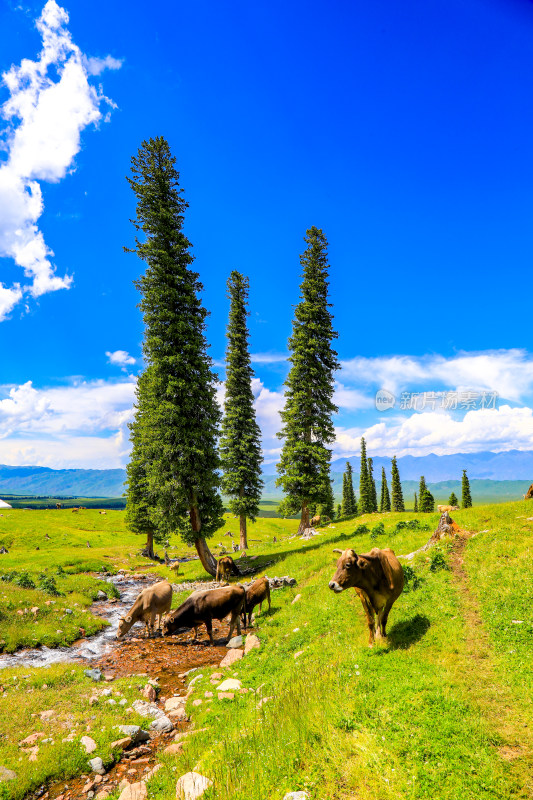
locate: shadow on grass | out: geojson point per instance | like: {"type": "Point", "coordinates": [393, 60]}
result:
{"type": "Point", "coordinates": [404, 634]}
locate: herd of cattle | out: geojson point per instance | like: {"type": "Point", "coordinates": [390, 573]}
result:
{"type": "Point", "coordinates": [377, 577]}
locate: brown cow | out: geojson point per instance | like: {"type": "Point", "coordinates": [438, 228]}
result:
{"type": "Point", "coordinates": [226, 567]}
{"type": "Point", "coordinates": [204, 607]}
{"type": "Point", "coordinates": [315, 521]}
{"type": "Point", "coordinates": [154, 601]}
{"type": "Point", "coordinates": [441, 509]}
{"type": "Point", "coordinates": [378, 580]}
{"type": "Point", "coordinates": [255, 594]}
{"type": "Point", "coordinates": [58, 506]}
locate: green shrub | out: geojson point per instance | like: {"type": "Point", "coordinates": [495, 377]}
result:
{"type": "Point", "coordinates": [48, 584]}
{"type": "Point", "coordinates": [24, 581]}
{"type": "Point", "coordinates": [377, 530]}
{"type": "Point", "coordinates": [411, 580]}
{"type": "Point", "coordinates": [361, 530]}
{"type": "Point", "coordinates": [437, 562]}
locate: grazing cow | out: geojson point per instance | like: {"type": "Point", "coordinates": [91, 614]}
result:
{"type": "Point", "coordinates": [315, 521]}
{"type": "Point", "coordinates": [75, 510]}
{"type": "Point", "coordinates": [226, 567]}
{"type": "Point", "coordinates": [154, 601]}
{"type": "Point", "coordinates": [441, 509]}
{"type": "Point", "coordinates": [255, 594]}
{"type": "Point", "coordinates": [103, 512]}
{"type": "Point", "coordinates": [58, 506]}
{"type": "Point", "coordinates": [175, 567]}
{"type": "Point", "coordinates": [378, 580]}
{"type": "Point", "coordinates": [204, 607]}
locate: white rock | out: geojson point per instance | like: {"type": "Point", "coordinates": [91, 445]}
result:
{"type": "Point", "coordinates": [135, 791]}
{"type": "Point", "coordinates": [88, 743]}
{"type": "Point", "coordinates": [252, 641]}
{"type": "Point", "coordinates": [97, 765]}
{"type": "Point", "coordinates": [236, 641]}
{"type": "Point", "coordinates": [162, 725]}
{"type": "Point", "coordinates": [147, 709]}
{"type": "Point", "coordinates": [297, 796]}
{"type": "Point", "coordinates": [229, 685]}
{"type": "Point", "coordinates": [174, 702]}
{"type": "Point", "coordinates": [192, 785]}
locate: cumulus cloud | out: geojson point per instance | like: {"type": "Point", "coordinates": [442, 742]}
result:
{"type": "Point", "coordinates": [50, 103]}
{"type": "Point", "coordinates": [120, 358]}
{"type": "Point", "coordinates": [507, 372]}
{"type": "Point", "coordinates": [500, 429]}
{"type": "Point", "coordinates": [95, 66]}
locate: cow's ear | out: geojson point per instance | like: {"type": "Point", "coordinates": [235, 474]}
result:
{"type": "Point", "coordinates": [362, 563]}
{"type": "Point", "coordinates": [337, 550]}
{"type": "Point", "coordinates": [354, 554]}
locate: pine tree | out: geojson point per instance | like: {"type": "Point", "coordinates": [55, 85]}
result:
{"type": "Point", "coordinates": [240, 443]}
{"type": "Point", "coordinates": [173, 473]}
{"type": "Point", "coordinates": [385, 497]}
{"type": "Point", "coordinates": [426, 502]}
{"type": "Point", "coordinates": [466, 496]}
{"type": "Point", "coordinates": [372, 485]}
{"type": "Point", "coordinates": [327, 509]}
{"type": "Point", "coordinates": [339, 511]}
{"type": "Point", "coordinates": [365, 488]}
{"type": "Point", "coordinates": [415, 509]}
{"type": "Point", "coordinates": [307, 417]}
{"type": "Point", "coordinates": [397, 494]}
{"type": "Point", "coordinates": [453, 501]}
{"type": "Point", "coordinates": [349, 504]}
{"type": "Point", "coordinates": [421, 487]}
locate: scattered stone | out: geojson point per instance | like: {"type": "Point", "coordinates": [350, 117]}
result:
{"type": "Point", "coordinates": [35, 610]}
{"type": "Point", "coordinates": [162, 725]}
{"type": "Point", "coordinates": [134, 732]}
{"type": "Point", "coordinates": [263, 701]}
{"type": "Point", "coordinates": [298, 654]}
{"type": "Point", "coordinates": [217, 676]}
{"type": "Point", "coordinates": [97, 765]}
{"type": "Point", "coordinates": [197, 702]}
{"type": "Point", "coordinates": [236, 641]}
{"type": "Point", "coordinates": [47, 715]}
{"type": "Point", "coordinates": [149, 693]}
{"type": "Point", "coordinates": [88, 786]}
{"type": "Point", "coordinates": [111, 702]}
{"type": "Point", "coordinates": [191, 786]}
{"type": "Point", "coordinates": [208, 694]}
{"type": "Point", "coordinates": [89, 744]}
{"type": "Point", "coordinates": [147, 709]}
{"type": "Point", "coordinates": [68, 611]}
{"type": "Point", "coordinates": [134, 791]}
{"type": "Point", "coordinates": [226, 696]}
{"type": "Point", "coordinates": [298, 597]}
{"type": "Point", "coordinates": [297, 796]}
{"type": "Point", "coordinates": [100, 796]}
{"type": "Point", "coordinates": [94, 674]}
{"type": "Point", "coordinates": [108, 676]}
{"type": "Point", "coordinates": [229, 685]}
{"type": "Point", "coordinates": [252, 641]}
{"type": "Point", "coordinates": [173, 703]}
{"type": "Point", "coordinates": [29, 741]}
{"type": "Point", "coordinates": [231, 657]}
{"type": "Point", "coordinates": [178, 715]}
{"type": "Point", "coordinates": [122, 744]}
{"type": "Point", "coordinates": [100, 595]}
{"type": "Point", "coordinates": [173, 749]}
{"type": "Point", "coordinates": [106, 692]}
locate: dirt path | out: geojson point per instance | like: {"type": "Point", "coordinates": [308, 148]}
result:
{"type": "Point", "coordinates": [166, 659]}
{"type": "Point", "coordinates": [477, 667]}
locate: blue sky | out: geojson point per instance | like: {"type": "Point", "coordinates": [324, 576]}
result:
{"type": "Point", "coordinates": [402, 130]}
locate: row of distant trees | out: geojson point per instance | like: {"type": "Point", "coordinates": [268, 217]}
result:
{"type": "Point", "coordinates": [389, 501]}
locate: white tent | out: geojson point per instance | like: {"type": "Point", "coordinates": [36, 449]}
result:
{"type": "Point", "coordinates": [3, 504]}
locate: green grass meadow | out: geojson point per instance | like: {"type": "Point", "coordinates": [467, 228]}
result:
{"type": "Point", "coordinates": [442, 710]}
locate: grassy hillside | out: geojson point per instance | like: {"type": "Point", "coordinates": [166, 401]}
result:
{"type": "Point", "coordinates": [443, 710]}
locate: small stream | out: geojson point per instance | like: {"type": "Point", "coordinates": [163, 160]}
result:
{"type": "Point", "coordinates": [96, 646]}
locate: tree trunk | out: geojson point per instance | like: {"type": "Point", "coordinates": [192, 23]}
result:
{"type": "Point", "coordinates": [242, 527]}
{"type": "Point", "coordinates": [149, 546]}
{"type": "Point", "coordinates": [304, 520]}
{"type": "Point", "coordinates": [209, 562]}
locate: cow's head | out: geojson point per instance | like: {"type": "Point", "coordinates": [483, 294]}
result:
{"type": "Point", "coordinates": [169, 625]}
{"type": "Point", "coordinates": [124, 624]}
{"type": "Point", "coordinates": [350, 568]}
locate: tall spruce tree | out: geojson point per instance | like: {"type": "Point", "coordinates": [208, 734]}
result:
{"type": "Point", "coordinates": [421, 487]}
{"type": "Point", "coordinates": [307, 429]}
{"type": "Point", "coordinates": [397, 494]}
{"type": "Point", "coordinates": [349, 504]}
{"type": "Point", "coordinates": [385, 497]}
{"type": "Point", "coordinates": [173, 473]}
{"type": "Point", "coordinates": [327, 509]}
{"type": "Point", "coordinates": [339, 511]}
{"type": "Point", "coordinates": [240, 443]}
{"type": "Point", "coordinates": [466, 501]}
{"type": "Point", "coordinates": [453, 501]}
{"type": "Point", "coordinates": [426, 502]}
{"type": "Point", "coordinates": [415, 508]}
{"type": "Point", "coordinates": [365, 488]}
{"type": "Point", "coordinates": [372, 485]}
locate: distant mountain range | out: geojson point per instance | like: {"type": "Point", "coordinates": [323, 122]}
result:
{"type": "Point", "coordinates": [514, 468]}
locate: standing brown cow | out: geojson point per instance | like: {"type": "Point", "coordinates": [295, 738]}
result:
{"type": "Point", "coordinates": [205, 606]}
{"type": "Point", "coordinates": [255, 594]}
{"type": "Point", "coordinates": [378, 580]}
{"type": "Point", "coordinates": [226, 567]}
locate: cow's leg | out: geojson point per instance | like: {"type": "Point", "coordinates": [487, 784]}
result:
{"type": "Point", "coordinates": [209, 626]}
{"type": "Point", "coordinates": [369, 613]}
{"type": "Point", "coordinates": [195, 633]}
{"type": "Point", "coordinates": [384, 617]}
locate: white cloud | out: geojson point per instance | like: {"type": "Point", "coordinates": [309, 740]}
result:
{"type": "Point", "coordinates": [50, 103]}
{"type": "Point", "coordinates": [508, 372]}
{"type": "Point", "coordinates": [351, 399]}
{"type": "Point", "coordinates": [269, 358]}
{"type": "Point", "coordinates": [95, 66]}
{"type": "Point", "coordinates": [500, 429]}
{"type": "Point", "coordinates": [120, 358]}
